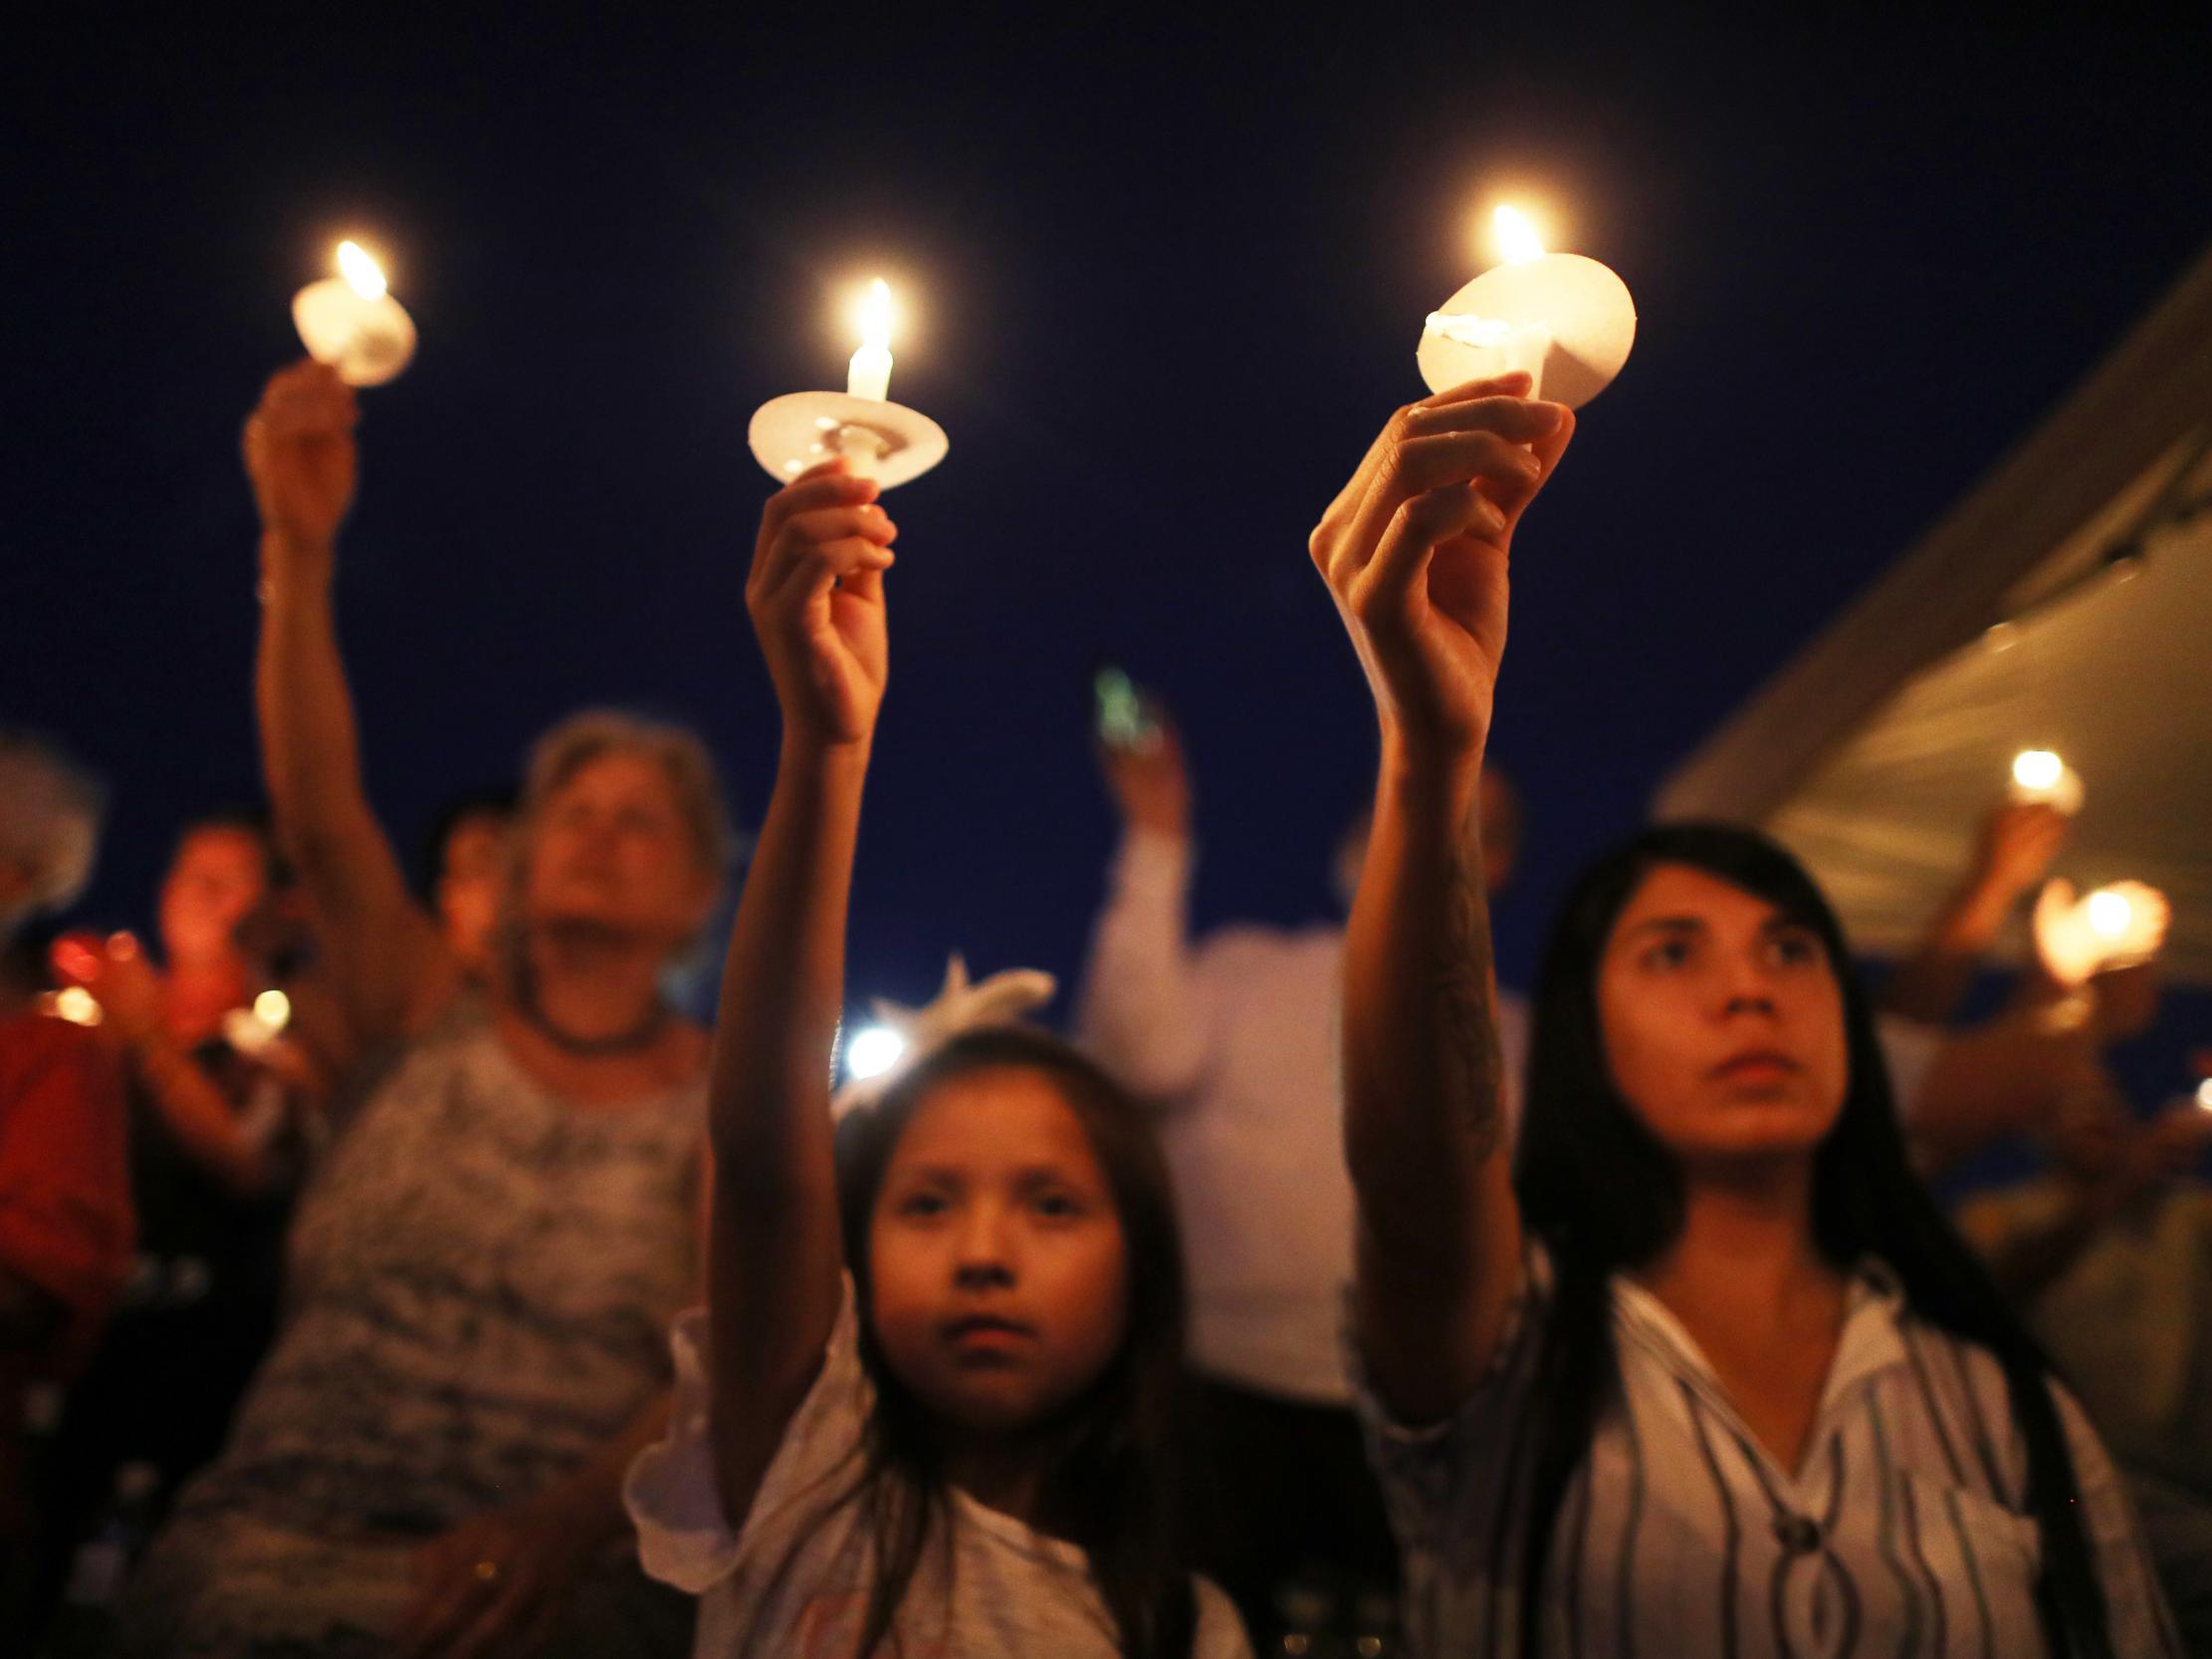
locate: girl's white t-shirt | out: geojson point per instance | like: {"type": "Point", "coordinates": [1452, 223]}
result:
{"type": "Point", "coordinates": [1013, 1591]}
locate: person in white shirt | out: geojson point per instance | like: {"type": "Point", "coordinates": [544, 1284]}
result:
{"type": "Point", "coordinates": [1232, 1039]}
{"type": "Point", "coordinates": [931, 1406]}
{"type": "Point", "coordinates": [1706, 1370]}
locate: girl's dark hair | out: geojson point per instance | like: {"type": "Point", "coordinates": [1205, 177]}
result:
{"type": "Point", "coordinates": [1116, 1449]}
{"type": "Point", "coordinates": [1605, 1196]}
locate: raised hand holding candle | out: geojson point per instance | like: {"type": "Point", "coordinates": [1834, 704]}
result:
{"type": "Point", "coordinates": [882, 440]}
{"type": "Point", "coordinates": [2113, 927]}
{"type": "Point", "coordinates": [352, 322]}
{"type": "Point", "coordinates": [1566, 320]}
{"type": "Point", "coordinates": [2041, 778]}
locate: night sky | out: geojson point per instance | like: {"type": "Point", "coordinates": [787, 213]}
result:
{"type": "Point", "coordinates": [1164, 281]}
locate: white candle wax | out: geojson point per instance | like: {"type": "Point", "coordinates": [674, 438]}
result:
{"type": "Point", "coordinates": [869, 373]}
{"type": "Point", "coordinates": [352, 323]}
{"type": "Point", "coordinates": [1568, 321]}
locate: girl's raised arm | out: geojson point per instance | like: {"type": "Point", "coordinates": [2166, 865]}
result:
{"type": "Point", "coordinates": [815, 595]}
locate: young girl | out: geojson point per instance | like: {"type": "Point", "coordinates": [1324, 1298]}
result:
{"type": "Point", "coordinates": [929, 1406]}
{"type": "Point", "coordinates": [1708, 1374]}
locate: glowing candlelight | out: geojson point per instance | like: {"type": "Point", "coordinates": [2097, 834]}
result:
{"type": "Point", "coordinates": [2109, 912]}
{"type": "Point", "coordinates": [878, 438]}
{"type": "Point", "coordinates": [2041, 778]}
{"type": "Point", "coordinates": [2204, 1094]}
{"type": "Point", "coordinates": [77, 1005]}
{"type": "Point", "coordinates": [362, 273]}
{"type": "Point", "coordinates": [251, 1030]}
{"type": "Point", "coordinates": [2113, 927]}
{"type": "Point", "coordinates": [869, 374]}
{"type": "Point", "coordinates": [1567, 320]}
{"type": "Point", "coordinates": [1517, 240]}
{"type": "Point", "coordinates": [352, 322]}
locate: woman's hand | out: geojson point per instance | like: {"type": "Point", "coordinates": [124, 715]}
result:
{"type": "Point", "coordinates": [498, 1582]}
{"type": "Point", "coordinates": [302, 459]}
{"type": "Point", "coordinates": [815, 595]}
{"type": "Point", "coordinates": [1414, 551]}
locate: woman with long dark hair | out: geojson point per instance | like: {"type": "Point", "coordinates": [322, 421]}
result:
{"type": "Point", "coordinates": [1707, 1372]}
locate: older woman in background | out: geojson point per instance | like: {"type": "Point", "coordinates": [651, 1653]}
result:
{"type": "Point", "coordinates": [483, 1271]}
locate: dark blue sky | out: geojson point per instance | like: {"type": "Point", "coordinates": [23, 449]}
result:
{"type": "Point", "coordinates": [1167, 279]}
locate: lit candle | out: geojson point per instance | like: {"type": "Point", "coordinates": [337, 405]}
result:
{"type": "Point", "coordinates": [352, 322]}
{"type": "Point", "coordinates": [2204, 1094]}
{"type": "Point", "coordinates": [1567, 320]}
{"type": "Point", "coordinates": [77, 1005]}
{"type": "Point", "coordinates": [869, 374]}
{"type": "Point", "coordinates": [252, 1030]}
{"type": "Point", "coordinates": [2041, 778]}
{"type": "Point", "coordinates": [879, 439]}
{"type": "Point", "coordinates": [2113, 927]}
{"type": "Point", "coordinates": [2110, 914]}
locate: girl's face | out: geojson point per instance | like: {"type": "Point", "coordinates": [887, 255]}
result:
{"type": "Point", "coordinates": [999, 1273]}
{"type": "Point", "coordinates": [1724, 1021]}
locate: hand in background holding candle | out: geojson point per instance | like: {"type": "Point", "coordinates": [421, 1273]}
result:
{"type": "Point", "coordinates": [1415, 551]}
{"type": "Point", "coordinates": [816, 596]}
{"type": "Point", "coordinates": [302, 460]}
{"type": "Point", "coordinates": [2077, 938]}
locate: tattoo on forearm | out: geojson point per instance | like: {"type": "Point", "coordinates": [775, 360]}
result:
{"type": "Point", "coordinates": [1468, 1059]}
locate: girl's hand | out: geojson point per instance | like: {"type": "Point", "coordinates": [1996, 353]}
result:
{"type": "Point", "coordinates": [815, 595]}
{"type": "Point", "coordinates": [1414, 552]}
{"type": "Point", "coordinates": [301, 456]}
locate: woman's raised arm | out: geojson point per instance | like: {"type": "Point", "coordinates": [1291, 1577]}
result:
{"type": "Point", "coordinates": [1414, 552]}
{"type": "Point", "coordinates": [816, 594]}
{"type": "Point", "coordinates": [386, 962]}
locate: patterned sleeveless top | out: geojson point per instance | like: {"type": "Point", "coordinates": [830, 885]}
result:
{"type": "Point", "coordinates": [480, 1284]}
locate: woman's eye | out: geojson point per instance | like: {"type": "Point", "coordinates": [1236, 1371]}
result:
{"type": "Point", "coordinates": [1058, 1206]}
{"type": "Point", "coordinates": [1797, 950]}
{"type": "Point", "coordinates": [923, 1204]}
{"type": "Point", "coordinates": [1671, 953]}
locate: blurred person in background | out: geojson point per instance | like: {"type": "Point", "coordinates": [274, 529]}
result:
{"type": "Point", "coordinates": [464, 876]}
{"type": "Point", "coordinates": [481, 1275]}
{"type": "Point", "coordinates": [1961, 1088]}
{"type": "Point", "coordinates": [1232, 1039]}
{"type": "Point", "coordinates": [221, 1135]}
{"type": "Point", "coordinates": [65, 1194]}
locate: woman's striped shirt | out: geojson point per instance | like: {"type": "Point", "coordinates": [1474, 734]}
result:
{"type": "Point", "coordinates": [1904, 1535]}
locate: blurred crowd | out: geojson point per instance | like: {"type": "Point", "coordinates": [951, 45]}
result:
{"type": "Point", "coordinates": [344, 1216]}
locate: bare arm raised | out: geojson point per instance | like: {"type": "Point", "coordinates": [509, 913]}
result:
{"type": "Point", "coordinates": [390, 969]}
{"type": "Point", "coordinates": [1414, 551]}
{"type": "Point", "coordinates": [816, 594]}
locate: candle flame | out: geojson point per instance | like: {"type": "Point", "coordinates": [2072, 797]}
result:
{"type": "Point", "coordinates": [2037, 768]}
{"type": "Point", "coordinates": [875, 317]}
{"type": "Point", "coordinates": [362, 273]}
{"type": "Point", "coordinates": [1516, 237]}
{"type": "Point", "coordinates": [2204, 1094]}
{"type": "Point", "coordinates": [273, 1009]}
{"type": "Point", "coordinates": [2110, 914]}
{"type": "Point", "coordinates": [75, 1004]}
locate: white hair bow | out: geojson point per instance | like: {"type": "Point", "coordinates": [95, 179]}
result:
{"type": "Point", "coordinates": [959, 1007]}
